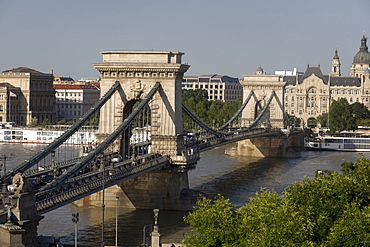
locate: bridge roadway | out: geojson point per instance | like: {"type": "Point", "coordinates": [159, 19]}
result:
{"type": "Point", "coordinates": [96, 175]}
{"type": "Point", "coordinates": [102, 172]}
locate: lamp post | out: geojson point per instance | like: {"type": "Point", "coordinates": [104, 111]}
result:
{"type": "Point", "coordinates": [156, 236]}
{"type": "Point", "coordinates": [3, 158]}
{"type": "Point", "coordinates": [117, 198]}
{"type": "Point", "coordinates": [103, 205]}
{"type": "Point", "coordinates": [12, 203]}
{"type": "Point", "coordinates": [75, 220]}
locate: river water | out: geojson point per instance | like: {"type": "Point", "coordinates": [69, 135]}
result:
{"type": "Point", "coordinates": [236, 178]}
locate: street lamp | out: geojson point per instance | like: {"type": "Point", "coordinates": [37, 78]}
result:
{"type": "Point", "coordinates": [156, 241]}
{"type": "Point", "coordinates": [12, 203]}
{"type": "Point", "coordinates": [117, 198]}
{"type": "Point", "coordinates": [156, 212]}
{"type": "Point", "coordinates": [75, 220]}
{"type": "Point", "coordinates": [103, 205]}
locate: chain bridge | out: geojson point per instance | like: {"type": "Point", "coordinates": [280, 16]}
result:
{"type": "Point", "coordinates": [142, 147]}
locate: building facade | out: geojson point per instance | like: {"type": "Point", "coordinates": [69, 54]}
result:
{"type": "Point", "coordinates": [10, 103]}
{"type": "Point", "coordinates": [219, 87]}
{"type": "Point", "coordinates": [308, 95]}
{"type": "Point", "coordinates": [74, 100]}
{"type": "Point", "coordinates": [26, 94]}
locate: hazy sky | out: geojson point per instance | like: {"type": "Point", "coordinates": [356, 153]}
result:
{"type": "Point", "coordinates": [232, 37]}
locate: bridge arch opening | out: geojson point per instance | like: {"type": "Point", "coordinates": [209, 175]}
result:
{"type": "Point", "coordinates": [135, 139]}
{"type": "Point", "coordinates": [311, 122]}
{"type": "Point", "coordinates": [264, 121]}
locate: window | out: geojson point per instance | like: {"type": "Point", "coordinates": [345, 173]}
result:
{"type": "Point", "coordinates": [300, 112]}
{"type": "Point", "coordinates": [1, 108]}
{"type": "Point", "coordinates": [292, 112]}
{"type": "Point", "coordinates": [292, 105]}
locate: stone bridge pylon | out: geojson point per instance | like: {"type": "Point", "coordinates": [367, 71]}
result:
{"type": "Point", "coordinates": [138, 72]}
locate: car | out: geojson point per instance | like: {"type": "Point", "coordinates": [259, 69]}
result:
{"type": "Point", "coordinates": [117, 158]}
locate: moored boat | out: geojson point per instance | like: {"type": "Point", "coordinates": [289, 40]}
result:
{"type": "Point", "coordinates": [46, 136]}
{"type": "Point", "coordinates": [350, 142]}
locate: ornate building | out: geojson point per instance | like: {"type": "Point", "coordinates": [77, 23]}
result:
{"type": "Point", "coordinates": [309, 94]}
{"type": "Point", "coordinates": [25, 94]}
{"type": "Point", "coordinates": [361, 61]}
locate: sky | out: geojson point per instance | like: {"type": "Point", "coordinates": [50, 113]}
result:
{"type": "Point", "coordinates": [232, 37]}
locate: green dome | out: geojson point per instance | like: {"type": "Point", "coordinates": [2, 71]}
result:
{"type": "Point", "coordinates": [363, 56]}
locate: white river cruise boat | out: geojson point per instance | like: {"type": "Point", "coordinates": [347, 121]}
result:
{"type": "Point", "coordinates": [351, 143]}
{"type": "Point", "coordinates": [44, 136]}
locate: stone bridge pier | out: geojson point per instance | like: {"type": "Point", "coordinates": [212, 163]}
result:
{"type": "Point", "coordinates": [287, 145]}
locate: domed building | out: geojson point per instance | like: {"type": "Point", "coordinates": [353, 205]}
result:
{"type": "Point", "coordinates": [361, 60]}
{"type": "Point", "coordinates": [308, 95]}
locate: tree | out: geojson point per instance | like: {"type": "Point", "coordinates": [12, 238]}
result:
{"type": "Point", "coordinates": [46, 122]}
{"type": "Point", "coordinates": [331, 209]}
{"type": "Point", "coordinates": [213, 113]}
{"type": "Point", "coordinates": [33, 122]}
{"type": "Point", "coordinates": [340, 116]}
{"type": "Point", "coordinates": [323, 119]}
{"type": "Point", "coordinates": [214, 223]}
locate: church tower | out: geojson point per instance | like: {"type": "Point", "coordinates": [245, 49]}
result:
{"type": "Point", "coordinates": [335, 65]}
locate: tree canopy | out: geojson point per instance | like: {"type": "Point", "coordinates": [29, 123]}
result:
{"type": "Point", "coordinates": [213, 112]}
{"type": "Point", "coordinates": [345, 116]}
{"type": "Point", "coordinates": [331, 209]}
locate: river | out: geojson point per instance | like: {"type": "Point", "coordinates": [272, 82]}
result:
{"type": "Point", "coordinates": [236, 178]}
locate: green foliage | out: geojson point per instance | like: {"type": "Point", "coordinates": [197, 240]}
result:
{"type": "Point", "coordinates": [46, 122]}
{"type": "Point", "coordinates": [215, 113]}
{"type": "Point", "coordinates": [62, 122]}
{"type": "Point", "coordinates": [343, 116]}
{"type": "Point", "coordinates": [323, 119]}
{"type": "Point", "coordinates": [214, 223]}
{"type": "Point", "coordinates": [33, 122]}
{"type": "Point", "coordinates": [340, 117]}
{"type": "Point", "coordinates": [94, 120]}
{"type": "Point", "coordinates": [331, 209]}
{"type": "Point", "coordinates": [294, 120]}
